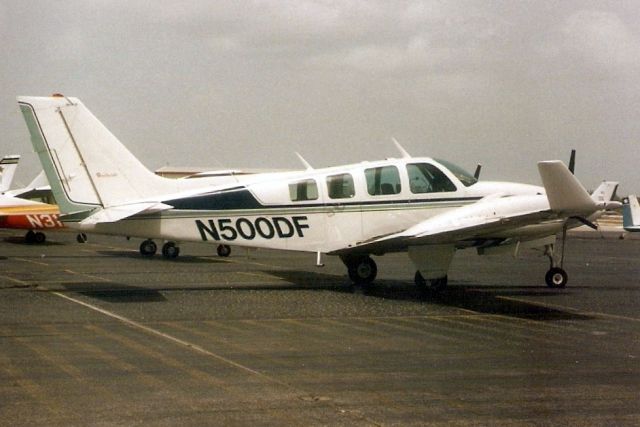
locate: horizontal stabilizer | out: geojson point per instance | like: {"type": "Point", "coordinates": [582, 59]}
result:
{"type": "Point", "coordinates": [116, 213]}
{"type": "Point", "coordinates": [564, 192]}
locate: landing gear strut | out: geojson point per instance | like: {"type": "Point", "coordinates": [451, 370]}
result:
{"type": "Point", "coordinates": [148, 248]}
{"type": "Point", "coordinates": [556, 277]}
{"type": "Point", "coordinates": [362, 269]}
{"type": "Point", "coordinates": [436, 285]}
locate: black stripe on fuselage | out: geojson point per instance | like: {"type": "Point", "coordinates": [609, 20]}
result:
{"type": "Point", "coordinates": [243, 199]}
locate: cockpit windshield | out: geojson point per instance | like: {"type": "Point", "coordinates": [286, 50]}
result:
{"type": "Point", "coordinates": [465, 177]}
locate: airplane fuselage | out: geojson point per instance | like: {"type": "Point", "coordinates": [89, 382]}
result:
{"type": "Point", "coordinates": [323, 210]}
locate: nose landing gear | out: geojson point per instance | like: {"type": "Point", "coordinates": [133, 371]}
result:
{"type": "Point", "coordinates": [556, 277]}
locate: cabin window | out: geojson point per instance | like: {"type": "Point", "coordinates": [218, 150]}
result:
{"type": "Point", "coordinates": [427, 178]}
{"type": "Point", "coordinates": [341, 186]}
{"type": "Point", "coordinates": [383, 180]}
{"type": "Point", "coordinates": [303, 190]}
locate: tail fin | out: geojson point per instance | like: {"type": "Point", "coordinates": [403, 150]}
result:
{"type": "Point", "coordinates": [87, 167]}
{"type": "Point", "coordinates": [631, 214]}
{"type": "Point", "coordinates": [565, 193]}
{"type": "Point", "coordinates": [8, 166]}
{"type": "Point", "coordinates": [605, 193]}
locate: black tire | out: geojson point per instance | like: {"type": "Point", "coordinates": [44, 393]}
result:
{"type": "Point", "coordinates": [223, 250]}
{"type": "Point", "coordinates": [421, 282]}
{"type": "Point", "coordinates": [39, 237]}
{"type": "Point", "coordinates": [170, 250]}
{"type": "Point", "coordinates": [556, 278]}
{"type": "Point", "coordinates": [362, 271]}
{"type": "Point", "coordinates": [30, 237]}
{"type": "Point", "coordinates": [148, 248]}
{"type": "Point", "coordinates": [439, 284]}
{"type": "Point", "coordinates": [436, 285]}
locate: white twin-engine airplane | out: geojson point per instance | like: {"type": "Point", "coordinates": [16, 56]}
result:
{"type": "Point", "coordinates": [426, 207]}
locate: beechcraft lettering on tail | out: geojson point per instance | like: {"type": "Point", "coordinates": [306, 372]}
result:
{"type": "Point", "coordinates": [426, 207]}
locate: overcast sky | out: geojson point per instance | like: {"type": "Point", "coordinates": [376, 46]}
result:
{"type": "Point", "coordinates": [247, 83]}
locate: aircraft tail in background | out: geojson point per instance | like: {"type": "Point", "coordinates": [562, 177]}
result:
{"type": "Point", "coordinates": [631, 214]}
{"type": "Point", "coordinates": [8, 166]}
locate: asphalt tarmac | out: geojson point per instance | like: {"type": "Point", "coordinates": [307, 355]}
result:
{"type": "Point", "coordinates": [96, 334]}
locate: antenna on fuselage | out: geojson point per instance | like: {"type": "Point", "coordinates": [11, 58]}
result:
{"type": "Point", "coordinates": [304, 162]}
{"type": "Point", "coordinates": [403, 152]}
{"type": "Point", "coordinates": [572, 162]}
{"type": "Point", "coordinates": [476, 174]}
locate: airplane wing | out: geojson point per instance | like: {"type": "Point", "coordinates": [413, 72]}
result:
{"type": "Point", "coordinates": [485, 219]}
{"type": "Point", "coordinates": [495, 217]}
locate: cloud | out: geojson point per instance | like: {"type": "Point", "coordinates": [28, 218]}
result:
{"type": "Point", "coordinates": [602, 40]}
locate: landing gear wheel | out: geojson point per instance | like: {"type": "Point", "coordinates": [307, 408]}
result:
{"type": "Point", "coordinates": [362, 271]}
{"type": "Point", "coordinates": [148, 248]}
{"type": "Point", "coordinates": [170, 250]}
{"type": "Point", "coordinates": [421, 282]}
{"type": "Point", "coordinates": [39, 237]}
{"type": "Point", "coordinates": [81, 238]}
{"type": "Point", "coordinates": [435, 285]}
{"type": "Point", "coordinates": [439, 284]}
{"type": "Point", "coordinates": [556, 278]}
{"type": "Point", "coordinates": [224, 250]}
{"type": "Point", "coordinates": [30, 237]}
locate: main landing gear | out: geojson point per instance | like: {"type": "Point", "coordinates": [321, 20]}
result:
{"type": "Point", "coordinates": [171, 250]}
{"type": "Point", "coordinates": [35, 237]}
{"type": "Point", "coordinates": [362, 269]}
{"type": "Point", "coordinates": [149, 248]}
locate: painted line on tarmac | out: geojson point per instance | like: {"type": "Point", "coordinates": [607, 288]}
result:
{"type": "Point", "coordinates": [303, 395]}
{"type": "Point", "coordinates": [156, 332]}
{"type": "Point", "coordinates": [31, 261]}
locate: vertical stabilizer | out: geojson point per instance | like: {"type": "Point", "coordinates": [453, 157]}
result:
{"type": "Point", "coordinates": [631, 214]}
{"type": "Point", "coordinates": [86, 165]}
{"type": "Point", "coordinates": [564, 192]}
{"type": "Point", "coordinates": [8, 166]}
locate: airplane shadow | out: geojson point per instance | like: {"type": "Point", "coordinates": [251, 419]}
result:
{"type": "Point", "coordinates": [477, 298]}
{"type": "Point", "coordinates": [20, 240]}
{"type": "Point", "coordinates": [116, 292]}
{"type": "Point", "coordinates": [182, 259]}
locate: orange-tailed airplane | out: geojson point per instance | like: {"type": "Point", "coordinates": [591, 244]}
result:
{"type": "Point", "coordinates": [29, 215]}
